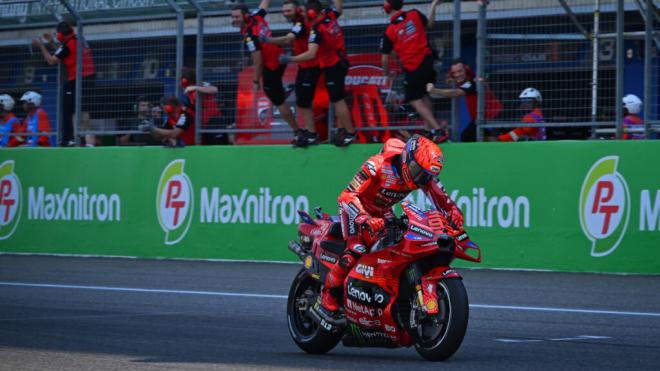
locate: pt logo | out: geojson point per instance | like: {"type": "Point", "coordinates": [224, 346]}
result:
{"type": "Point", "coordinates": [604, 206]}
{"type": "Point", "coordinates": [10, 200]}
{"type": "Point", "coordinates": [174, 202]}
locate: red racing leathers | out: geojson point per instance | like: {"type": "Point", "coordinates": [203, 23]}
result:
{"type": "Point", "coordinates": [370, 196]}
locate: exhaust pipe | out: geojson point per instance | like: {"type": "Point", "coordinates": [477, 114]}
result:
{"type": "Point", "coordinates": [295, 247]}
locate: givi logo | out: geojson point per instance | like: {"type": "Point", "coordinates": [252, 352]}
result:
{"type": "Point", "coordinates": [604, 206]}
{"type": "Point", "coordinates": [11, 197]}
{"type": "Point", "coordinates": [174, 202]}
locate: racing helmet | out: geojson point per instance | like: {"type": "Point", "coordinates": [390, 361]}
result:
{"type": "Point", "coordinates": [421, 161]}
{"type": "Point", "coordinates": [530, 94]}
{"type": "Point", "coordinates": [32, 97]}
{"type": "Point", "coordinates": [6, 102]}
{"type": "Point", "coordinates": [632, 103]}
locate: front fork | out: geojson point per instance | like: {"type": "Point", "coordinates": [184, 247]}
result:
{"type": "Point", "coordinates": [426, 295]}
{"type": "Point", "coordinates": [426, 286]}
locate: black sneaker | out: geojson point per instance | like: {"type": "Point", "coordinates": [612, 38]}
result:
{"type": "Point", "coordinates": [438, 135]}
{"type": "Point", "coordinates": [299, 139]}
{"type": "Point", "coordinates": [346, 140]}
{"type": "Point", "coordinates": [312, 138]}
{"type": "Point", "coordinates": [338, 137]}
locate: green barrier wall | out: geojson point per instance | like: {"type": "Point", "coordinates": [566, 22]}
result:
{"type": "Point", "coordinates": [572, 206]}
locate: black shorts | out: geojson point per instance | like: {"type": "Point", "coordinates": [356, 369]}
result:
{"type": "Point", "coordinates": [306, 85]}
{"type": "Point", "coordinates": [88, 98]}
{"type": "Point", "coordinates": [415, 81]}
{"type": "Point", "coordinates": [335, 77]}
{"type": "Point", "coordinates": [273, 85]}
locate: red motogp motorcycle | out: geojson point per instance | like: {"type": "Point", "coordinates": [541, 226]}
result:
{"type": "Point", "coordinates": [402, 293]}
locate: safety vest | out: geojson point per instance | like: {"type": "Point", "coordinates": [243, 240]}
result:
{"type": "Point", "coordinates": [38, 122]}
{"type": "Point", "coordinates": [7, 127]}
{"type": "Point", "coordinates": [633, 121]}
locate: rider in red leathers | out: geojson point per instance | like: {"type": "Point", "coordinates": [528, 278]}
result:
{"type": "Point", "coordinates": [382, 181]}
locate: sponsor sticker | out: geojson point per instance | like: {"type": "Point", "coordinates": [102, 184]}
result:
{"type": "Point", "coordinates": [328, 258]}
{"type": "Point", "coordinates": [11, 198]}
{"type": "Point", "coordinates": [174, 202]}
{"type": "Point", "coordinates": [371, 167]}
{"type": "Point", "coordinates": [421, 231]}
{"type": "Point", "coordinates": [604, 206]}
{"type": "Point", "coordinates": [365, 270]}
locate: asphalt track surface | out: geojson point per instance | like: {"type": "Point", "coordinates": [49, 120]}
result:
{"type": "Point", "coordinates": [64, 313]}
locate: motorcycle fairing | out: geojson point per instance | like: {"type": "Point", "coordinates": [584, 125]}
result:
{"type": "Point", "coordinates": [371, 290]}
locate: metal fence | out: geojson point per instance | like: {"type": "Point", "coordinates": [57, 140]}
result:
{"type": "Point", "coordinates": [582, 61]}
{"type": "Point", "coordinates": [582, 55]}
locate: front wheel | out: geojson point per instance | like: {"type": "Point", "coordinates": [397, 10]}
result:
{"type": "Point", "coordinates": [309, 336]}
{"type": "Point", "coordinates": [439, 336]}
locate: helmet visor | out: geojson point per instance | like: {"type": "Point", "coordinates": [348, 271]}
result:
{"type": "Point", "coordinates": [419, 176]}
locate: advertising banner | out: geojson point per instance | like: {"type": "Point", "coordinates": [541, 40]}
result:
{"type": "Point", "coordinates": [569, 206]}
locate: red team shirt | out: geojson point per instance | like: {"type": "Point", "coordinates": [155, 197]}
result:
{"type": "Point", "coordinates": [255, 26]}
{"type": "Point", "coordinates": [328, 35]}
{"type": "Point", "coordinates": [184, 122]}
{"type": "Point", "coordinates": [209, 105]}
{"type": "Point", "coordinates": [67, 54]}
{"type": "Point", "coordinates": [301, 31]}
{"type": "Point", "coordinates": [493, 105]}
{"type": "Point", "coordinates": [406, 34]}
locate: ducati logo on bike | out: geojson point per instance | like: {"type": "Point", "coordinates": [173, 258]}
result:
{"type": "Point", "coordinates": [174, 202]}
{"type": "Point", "coordinates": [10, 199]}
{"type": "Point", "coordinates": [604, 206]}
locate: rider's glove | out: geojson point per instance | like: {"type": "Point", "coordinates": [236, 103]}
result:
{"type": "Point", "coordinates": [374, 225]}
{"type": "Point", "coordinates": [456, 217]}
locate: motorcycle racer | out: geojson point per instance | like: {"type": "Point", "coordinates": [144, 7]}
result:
{"type": "Point", "coordinates": [381, 182]}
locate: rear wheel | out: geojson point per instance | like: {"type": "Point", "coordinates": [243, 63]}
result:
{"type": "Point", "coordinates": [308, 335]}
{"type": "Point", "coordinates": [439, 336]}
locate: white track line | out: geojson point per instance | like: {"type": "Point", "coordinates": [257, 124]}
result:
{"type": "Point", "coordinates": [131, 289]}
{"type": "Point", "coordinates": [269, 296]}
{"type": "Point", "coordinates": [566, 310]}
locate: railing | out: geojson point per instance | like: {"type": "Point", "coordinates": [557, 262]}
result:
{"type": "Point", "coordinates": [582, 55]}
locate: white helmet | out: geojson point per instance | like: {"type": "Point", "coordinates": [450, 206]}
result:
{"type": "Point", "coordinates": [632, 103]}
{"type": "Point", "coordinates": [32, 97]}
{"type": "Point", "coordinates": [531, 93]}
{"type": "Point", "coordinates": [7, 102]}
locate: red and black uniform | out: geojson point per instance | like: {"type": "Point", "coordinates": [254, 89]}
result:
{"type": "Point", "coordinates": [209, 105]}
{"type": "Point", "coordinates": [374, 190]}
{"type": "Point", "coordinates": [210, 112]}
{"type": "Point", "coordinates": [406, 35]}
{"type": "Point", "coordinates": [329, 36]}
{"type": "Point", "coordinates": [273, 71]}
{"type": "Point", "coordinates": [67, 53]}
{"type": "Point", "coordinates": [308, 71]}
{"type": "Point", "coordinates": [185, 122]}
{"type": "Point", "coordinates": [493, 105]}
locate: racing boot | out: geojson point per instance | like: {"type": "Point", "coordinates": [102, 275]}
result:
{"type": "Point", "coordinates": [326, 309]}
